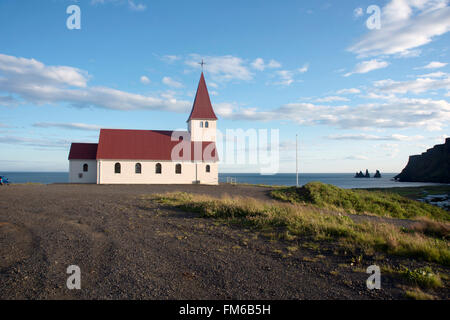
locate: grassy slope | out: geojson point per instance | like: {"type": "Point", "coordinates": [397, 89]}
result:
{"type": "Point", "coordinates": [380, 203]}
{"type": "Point", "coordinates": [291, 221]}
{"type": "Point", "coordinates": [415, 192]}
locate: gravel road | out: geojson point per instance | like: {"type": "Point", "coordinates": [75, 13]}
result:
{"type": "Point", "coordinates": [128, 249]}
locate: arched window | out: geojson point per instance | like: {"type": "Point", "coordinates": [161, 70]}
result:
{"type": "Point", "coordinates": [117, 168]}
{"type": "Point", "coordinates": [158, 168]}
{"type": "Point", "coordinates": [138, 168]}
{"type": "Point", "coordinates": [208, 168]}
{"type": "Point", "coordinates": [85, 167]}
{"type": "Point", "coordinates": [206, 124]}
{"type": "Point", "coordinates": [201, 124]}
{"type": "Point", "coordinates": [178, 168]}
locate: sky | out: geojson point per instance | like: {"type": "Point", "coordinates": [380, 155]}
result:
{"type": "Point", "coordinates": [364, 84]}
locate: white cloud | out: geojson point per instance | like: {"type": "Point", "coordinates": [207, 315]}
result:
{"type": "Point", "coordinates": [397, 113]}
{"type": "Point", "coordinates": [438, 74]}
{"type": "Point", "coordinates": [225, 109]}
{"type": "Point", "coordinates": [172, 83]}
{"type": "Point", "coordinates": [74, 126]}
{"type": "Point", "coordinates": [170, 58]}
{"type": "Point", "coordinates": [434, 65]}
{"type": "Point", "coordinates": [136, 6]}
{"type": "Point", "coordinates": [260, 65]}
{"type": "Point", "coordinates": [405, 25]}
{"type": "Point", "coordinates": [367, 66]}
{"type": "Point", "coordinates": [395, 137]}
{"type": "Point", "coordinates": [132, 4]}
{"type": "Point", "coordinates": [222, 68]}
{"type": "Point", "coordinates": [14, 68]}
{"type": "Point", "coordinates": [416, 86]}
{"type": "Point", "coordinates": [358, 12]}
{"type": "Point", "coordinates": [286, 76]}
{"type": "Point", "coordinates": [356, 157]}
{"type": "Point", "coordinates": [145, 80]}
{"type": "Point", "coordinates": [304, 68]}
{"type": "Point", "coordinates": [332, 99]}
{"type": "Point", "coordinates": [35, 142]}
{"type": "Point", "coordinates": [273, 64]}
{"type": "Point", "coordinates": [33, 82]}
{"type": "Point", "coordinates": [348, 91]}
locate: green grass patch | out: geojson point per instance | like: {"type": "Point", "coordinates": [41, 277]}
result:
{"type": "Point", "coordinates": [311, 223]}
{"type": "Point", "coordinates": [424, 277]}
{"type": "Point", "coordinates": [360, 201]}
{"type": "Point", "coordinates": [415, 192]}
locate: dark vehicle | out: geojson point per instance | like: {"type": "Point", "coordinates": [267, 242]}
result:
{"type": "Point", "coordinates": [4, 181]}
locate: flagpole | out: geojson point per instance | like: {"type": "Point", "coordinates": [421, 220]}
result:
{"type": "Point", "coordinates": [296, 158]}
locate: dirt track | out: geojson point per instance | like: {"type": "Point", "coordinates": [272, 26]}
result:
{"type": "Point", "coordinates": [128, 250]}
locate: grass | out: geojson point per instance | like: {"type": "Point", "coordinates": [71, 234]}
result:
{"type": "Point", "coordinates": [415, 192]}
{"type": "Point", "coordinates": [432, 228]}
{"type": "Point", "coordinates": [417, 294]}
{"type": "Point", "coordinates": [290, 221]}
{"type": "Point", "coordinates": [360, 201]}
{"type": "Point", "coordinates": [424, 277]}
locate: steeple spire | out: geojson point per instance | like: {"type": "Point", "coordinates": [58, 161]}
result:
{"type": "Point", "coordinates": [202, 108]}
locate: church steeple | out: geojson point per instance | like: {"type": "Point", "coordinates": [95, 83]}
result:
{"type": "Point", "coordinates": [202, 108]}
{"type": "Point", "coordinates": [202, 124]}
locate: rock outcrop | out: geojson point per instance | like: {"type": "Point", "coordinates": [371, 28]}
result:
{"type": "Point", "coordinates": [431, 166]}
{"type": "Point", "coordinates": [377, 174]}
{"type": "Point", "coordinates": [362, 175]}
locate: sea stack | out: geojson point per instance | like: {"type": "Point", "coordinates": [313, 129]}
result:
{"type": "Point", "coordinates": [431, 166]}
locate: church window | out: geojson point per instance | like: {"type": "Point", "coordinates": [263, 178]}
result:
{"type": "Point", "coordinates": [206, 124]}
{"type": "Point", "coordinates": [117, 168]}
{"type": "Point", "coordinates": [208, 168]}
{"type": "Point", "coordinates": [138, 168]}
{"type": "Point", "coordinates": [178, 168]}
{"type": "Point", "coordinates": [85, 167]}
{"type": "Point", "coordinates": [201, 124]}
{"type": "Point", "coordinates": [158, 168]}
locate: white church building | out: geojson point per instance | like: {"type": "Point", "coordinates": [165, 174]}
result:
{"type": "Point", "coordinates": [152, 156]}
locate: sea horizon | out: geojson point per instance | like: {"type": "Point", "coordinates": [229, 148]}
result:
{"type": "Point", "coordinates": [344, 180]}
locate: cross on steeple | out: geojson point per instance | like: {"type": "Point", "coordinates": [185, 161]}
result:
{"type": "Point", "coordinates": [202, 64]}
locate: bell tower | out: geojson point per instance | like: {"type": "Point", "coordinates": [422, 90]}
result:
{"type": "Point", "coordinates": [202, 122]}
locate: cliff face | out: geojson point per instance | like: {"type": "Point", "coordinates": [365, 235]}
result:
{"type": "Point", "coordinates": [430, 166]}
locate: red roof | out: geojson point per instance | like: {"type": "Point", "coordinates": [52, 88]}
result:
{"type": "Point", "coordinates": [116, 144]}
{"type": "Point", "coordinates": [83, 151]}
{"type": "Point", "coordinates": [202, 108]}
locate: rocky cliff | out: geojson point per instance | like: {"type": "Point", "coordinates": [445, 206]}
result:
{"type": "Point", "coordinates": [431, 166]}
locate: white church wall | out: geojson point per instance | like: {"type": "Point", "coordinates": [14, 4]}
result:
{"type": "Point", "coordinates": [189, 173]}
{"type": "Point", "coordinates": [199, 133]}
{"type": "Point", "coordinates": [77, 175]}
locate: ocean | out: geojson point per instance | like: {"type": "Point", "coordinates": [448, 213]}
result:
{"type": "Point", "coordinates": [342, 180]}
